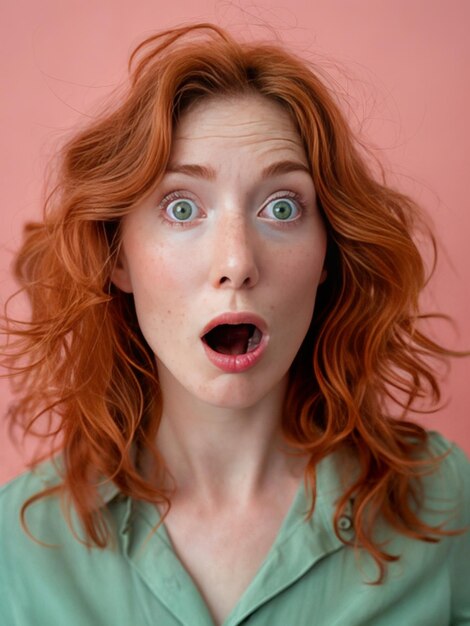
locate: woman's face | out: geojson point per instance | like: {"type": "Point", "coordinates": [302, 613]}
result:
{"type": "Point", "coordinates": [231, 237]}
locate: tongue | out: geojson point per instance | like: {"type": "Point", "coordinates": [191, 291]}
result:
{"type": "Point", "coordinates": [230, 339]}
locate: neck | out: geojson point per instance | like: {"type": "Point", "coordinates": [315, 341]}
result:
{"type": "Point", "coordinates": [218, 455]}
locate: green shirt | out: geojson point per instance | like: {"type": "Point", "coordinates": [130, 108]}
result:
{"type": "Point", "coordinates": [309, 577]}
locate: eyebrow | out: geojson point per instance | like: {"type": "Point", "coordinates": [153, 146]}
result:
{"type": "Point", "coordinates": [208, 173]}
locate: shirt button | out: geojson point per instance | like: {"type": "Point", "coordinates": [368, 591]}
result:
{"type": "Point", "coordinates": [345, 522]}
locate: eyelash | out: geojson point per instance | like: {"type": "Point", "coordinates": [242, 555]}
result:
{"type": "Point", "coordinates": [297, 198]}
{"type": "Point", "coordinates": [177, 195]}
{"type": "Point", "coordinates": [170, 197]}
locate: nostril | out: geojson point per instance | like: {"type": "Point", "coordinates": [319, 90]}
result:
{"type": "Point", "coordinates": [235, 273]}
{"type": "Point", "coordinates": [225, 279]}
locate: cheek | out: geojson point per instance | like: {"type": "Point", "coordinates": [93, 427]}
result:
{"type": "Point", "coordinates": [301, 268]}
{"type": "Point", "coordinates": [163, 287]}
{"type": "Point", "coordinates": [299, 276]}
{"type": "Point", "coordinates": [156, 272]}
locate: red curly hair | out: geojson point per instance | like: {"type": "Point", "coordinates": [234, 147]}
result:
{"type": "Point", "coordinates": [82, 361]}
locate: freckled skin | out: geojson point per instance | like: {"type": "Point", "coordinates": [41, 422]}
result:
{"type": "Point", "coordinates": [232, 257]}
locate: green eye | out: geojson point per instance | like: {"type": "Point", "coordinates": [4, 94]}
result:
{"type": "Point", "coordinates": [283, 209]}
{"type": "Point", "coordinates": [183, 210]}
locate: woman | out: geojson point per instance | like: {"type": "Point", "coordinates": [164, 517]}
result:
{"type": "Point", "coordinates": [224, 308]}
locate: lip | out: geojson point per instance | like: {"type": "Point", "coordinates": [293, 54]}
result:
{"type": "Point", "coordinates": [236, 363]}
{"type": "Point", "coordinates": [239, 317]}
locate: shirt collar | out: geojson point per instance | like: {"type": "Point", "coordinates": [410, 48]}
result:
{"type": "Point", "coordinates": [51, 473]}
{"type": "Point", "coordinates": [299, 545]}
{"type": "Point", "coordinates": [334, 473]}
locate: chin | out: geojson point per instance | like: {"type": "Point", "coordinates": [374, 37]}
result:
{"type": "Point", "coordinates": [234, 403]}
{"type": "Point", "coordinates": [237, 394]}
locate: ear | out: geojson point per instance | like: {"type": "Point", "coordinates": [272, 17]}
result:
{"type": "Point", "coordinates": [120, 275]}
{"type": "Point", "coordinates": [323, 276]}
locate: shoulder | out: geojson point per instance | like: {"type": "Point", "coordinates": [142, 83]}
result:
{"type": "Point", "coordinates": [454, 463]}
{"type": "Point", "coordinates": [46, 566]}
{"type": "Point", "coordinates": [447, 483]}
{"type": "Point", "coordinates": [447, 490]}
{"type": "Point", "coordinates": [22, 554]}
{"type": "Point", "coordinates": [43, 517]}
{"type": "Point", "coordinates": [43, 475]}
{"type": "Point", "coordinates": [438, 445]}
{"type": "Point", "coordinates": [14, 493]}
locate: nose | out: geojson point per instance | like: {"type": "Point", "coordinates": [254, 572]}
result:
{"type": "Point", "coordinates": [234, 263]}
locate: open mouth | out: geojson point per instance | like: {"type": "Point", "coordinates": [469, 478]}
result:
{"type": "Point", "coordinates": [233, 338]}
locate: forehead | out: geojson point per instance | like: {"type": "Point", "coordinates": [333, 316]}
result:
{"type": "Point", "coordinates": [251, 123]}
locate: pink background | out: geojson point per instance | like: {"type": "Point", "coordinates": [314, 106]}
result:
{"type": "Point", "coordinates": [404, 66]}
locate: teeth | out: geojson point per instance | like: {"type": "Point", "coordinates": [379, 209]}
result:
{"type": "Point", "coordinates": [240, 340]}
{"type": "Point", "coordinates": [254, 340]}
